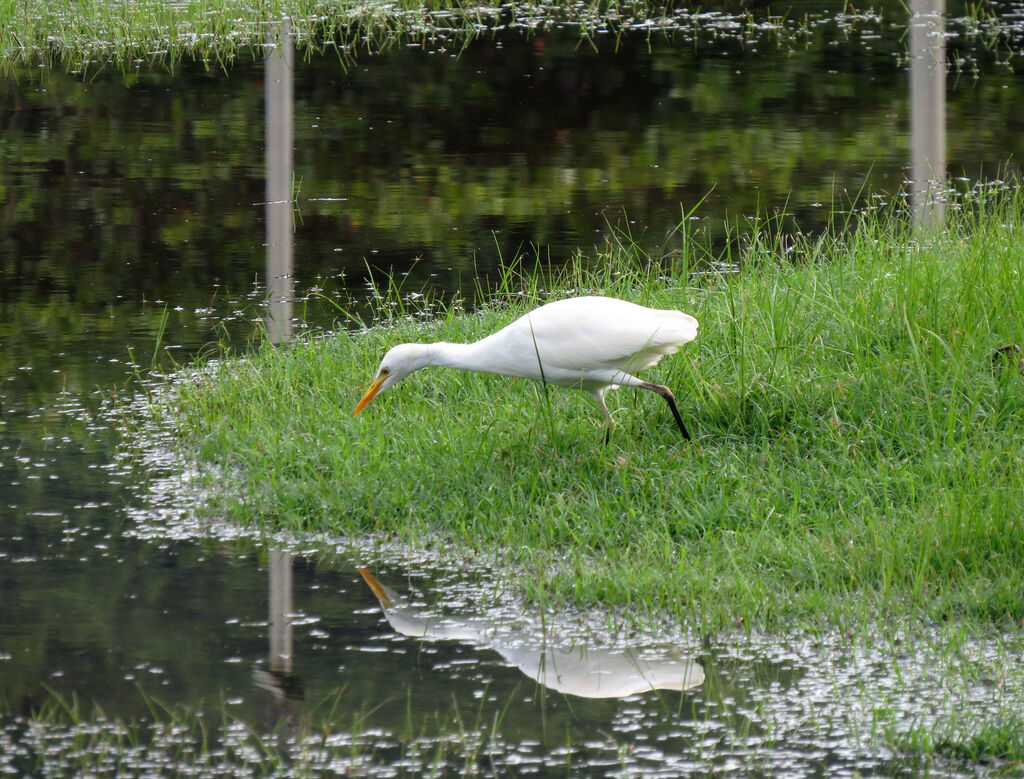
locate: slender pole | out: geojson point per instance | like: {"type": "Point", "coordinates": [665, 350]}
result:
{"type": "Point", "coordinates": [928, 113]}
{"type": "Point", "coordinates": [277, 93]}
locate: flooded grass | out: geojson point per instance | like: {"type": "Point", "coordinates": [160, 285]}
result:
{"type": "Point", "coordinates": [69, 739]}
{"type": "Point", "coordinates": [856, 456]}
{"type": "Point", "coordinates": [966, 742]}
{"type": "Point", "coordinates": [83, 36]}
{"type": "Point", "coordinates": [940, 703]}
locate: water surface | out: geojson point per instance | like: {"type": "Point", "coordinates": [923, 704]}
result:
{"type": "Point", "coordinates": [135, 232]}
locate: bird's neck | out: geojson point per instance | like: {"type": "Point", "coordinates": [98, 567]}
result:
{"type": "Point", "coordinates": [465, 357]}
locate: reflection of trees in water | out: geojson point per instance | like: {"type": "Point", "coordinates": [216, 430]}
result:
{"type": "Point", "coordinates": [118, 200]}
{"type": "Point", "coordinates": [122, 205]}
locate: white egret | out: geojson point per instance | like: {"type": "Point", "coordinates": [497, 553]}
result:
{"type": "Point", "coordinates": [590, 343]}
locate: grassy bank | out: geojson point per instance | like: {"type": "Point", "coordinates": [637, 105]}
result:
{"type": "Point", "coordinates": [857, 451]}
{"type": "Point", "coordinates": [85, 34]}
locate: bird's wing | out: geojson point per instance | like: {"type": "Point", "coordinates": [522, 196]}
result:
{"type": "Point", "coordinates": [582, 334]}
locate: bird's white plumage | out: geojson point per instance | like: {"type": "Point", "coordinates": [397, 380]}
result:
{"type": "Point", "coordinates": [585, 342]}
{"type": "Point", "coordinates": [590, 343]}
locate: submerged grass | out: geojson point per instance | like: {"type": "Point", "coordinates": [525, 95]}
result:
{"type": "Point", "coordinates": [857, 455]}
{"type": "Point", "coordinates": [84, 34]}
{"type": "Point", "coordinates": [87, 35]}
{"type": "Point", "coordinates": [331, 737]}
{"type": "Point", "coordinates": [947, 705]}
{"type": "Point", "coordinates": [999, 741]}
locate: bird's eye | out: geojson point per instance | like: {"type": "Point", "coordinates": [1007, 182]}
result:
{"type": "Point", "coordinates": [385, 371]}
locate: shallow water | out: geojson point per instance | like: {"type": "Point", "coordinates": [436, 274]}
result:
{"type": "Point", "coordinates": [135, 224]}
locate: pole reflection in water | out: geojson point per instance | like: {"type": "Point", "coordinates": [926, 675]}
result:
{"type": "Point", "coordinates": [277, 87]}
{"type": "Point", "coordinates": [286, 690]}
{"type": "Point", "coordinates": [280, 565]}
{"type": "Point", "coordinates": [573, 670]}
{"type": "Point", "coordinates": [928, 112]}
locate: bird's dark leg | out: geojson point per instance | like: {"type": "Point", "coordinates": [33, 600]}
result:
{"type": "Point", "coordinates": [609, 422]}
{"type": "Point", "coordinates": [666, 393]}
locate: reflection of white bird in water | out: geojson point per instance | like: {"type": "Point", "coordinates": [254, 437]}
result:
{"type": "Point", "coordinates": [590, 343]}
{"type": "Point", "coordinates": [575, 670]}
{"type": "Point", "coordinates": [601, 673]}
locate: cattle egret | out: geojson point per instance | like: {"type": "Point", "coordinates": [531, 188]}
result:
{"type": "Point", "coordinates": [590, 343]}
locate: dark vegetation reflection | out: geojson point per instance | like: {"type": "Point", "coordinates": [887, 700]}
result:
{"type": "Point", "coordinates": [133, 211]}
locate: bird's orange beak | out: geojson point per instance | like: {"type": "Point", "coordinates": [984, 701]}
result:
{"type": "Point", "coordinates": [373, 390]}
{"type": "Point", "coordinates": [375, 585]}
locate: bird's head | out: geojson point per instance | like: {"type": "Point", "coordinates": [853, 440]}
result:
{"type": "Point", "coordinates": [398, 363]}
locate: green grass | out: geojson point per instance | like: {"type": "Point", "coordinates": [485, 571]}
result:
{"type": "Point", "coordinates": [857, 454]}
{"type": "Point", "coordinates": [997, 742]}
{"type": "Point", "coordinates": [84, 34]}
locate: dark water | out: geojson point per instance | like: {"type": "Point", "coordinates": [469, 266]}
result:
{"type": "Point", "coordinates": [134, 232]}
